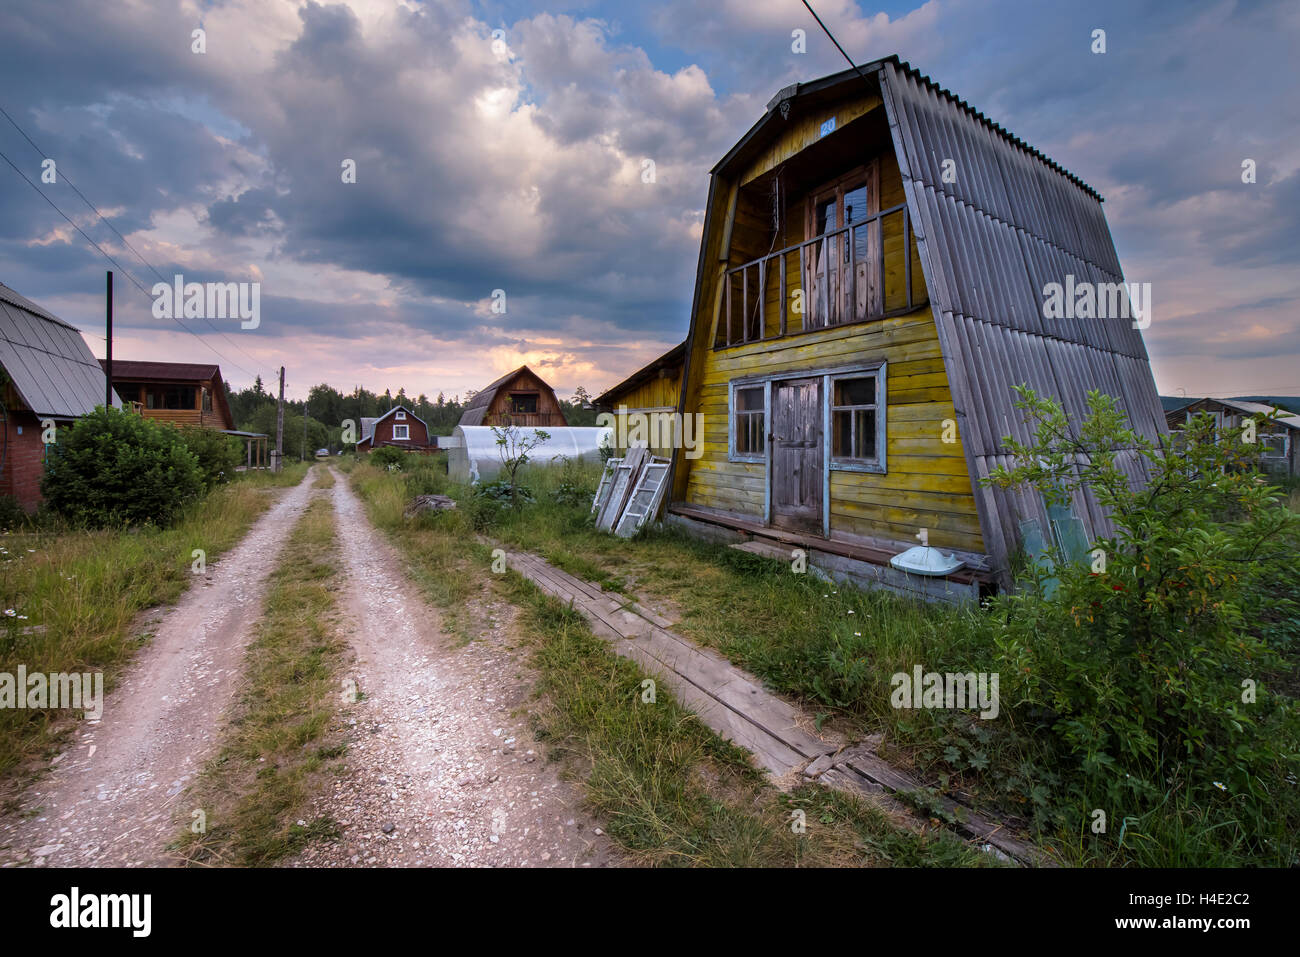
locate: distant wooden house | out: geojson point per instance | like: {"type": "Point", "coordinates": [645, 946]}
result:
{"type": "Point", "coordinates": [50, 377]}
{"type": "Point", "coordinates": [653, 390]}
{"type": "Point", "coordinates": [398, 427]}
{"type": "Point", "coordinates": [519, 398]}
{"type": "Point", "coordinates": [871, 284]}
{"type": "Point", "coordinates": [1278, 435]}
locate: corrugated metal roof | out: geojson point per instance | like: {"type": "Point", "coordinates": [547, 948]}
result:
{"type": "Point", "coordinates": [368, 427]}
{"type": "Point", "coordinates": [1010, 222]}
{"type": "Point", "coordinates": [49, 362]}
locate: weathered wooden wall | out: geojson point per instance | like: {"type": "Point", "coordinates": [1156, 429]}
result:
{"type": "Point", "coordinates": [927, 484]}
{"type": "Point", "coordinates": [548, 407]}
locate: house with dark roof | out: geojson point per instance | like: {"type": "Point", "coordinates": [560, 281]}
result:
{"type": "Point", "coordinates": [873, 283]}
{"type": "Point", "coordinates": [182, 393]}
{"type": "Point", "coordinates": [1278, 434]}
{"type": "Point", "coordinates": [50, 378]}
{"type": "Point", "coordinates": [652, 390]}
{"type": "Point", "coordinates": [518, 398]}
{"type": "Point", "coordinates": [398, 427]}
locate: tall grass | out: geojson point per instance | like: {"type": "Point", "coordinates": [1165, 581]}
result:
{"type": "Point", "coordinates": [75, 594]}
{"type": "Point", "coordinates": [671, 791]}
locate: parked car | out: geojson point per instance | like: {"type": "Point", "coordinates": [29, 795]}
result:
{"type": "Point", "coordinates": [322, 452]}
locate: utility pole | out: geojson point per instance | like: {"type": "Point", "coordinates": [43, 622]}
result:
{"type": "Point", "coordinates": [108, 360]}
{"type": "Point", "coordinates": [304, 430]}
{"type": "Point", "coordinates": [279, 427]}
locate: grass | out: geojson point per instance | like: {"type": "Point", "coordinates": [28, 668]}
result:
{"type": "Point", "coordinates": [836, 648]}
{"type": "Point", "coordinates": [671, 791]}
{"type": "Point", "coordinates": [81, 592]}
{"type": "Point", "coordinates": [279, 742]}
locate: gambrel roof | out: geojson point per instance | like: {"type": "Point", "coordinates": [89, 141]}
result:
{"type": "Point", "coordinates": [477, 409]}
{"type": "Point", "coordinates": [1010, 222]}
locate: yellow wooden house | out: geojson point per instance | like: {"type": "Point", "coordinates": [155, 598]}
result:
{"type": "Point", "coordinates": [869, 291]}
{"type": "Point", "coordinates": [653, 390]}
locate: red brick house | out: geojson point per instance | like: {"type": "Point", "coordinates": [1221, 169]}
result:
{"type": "Point", "coordinates": [49, 378]}
{"type": "Point", "coordinates": [398, 427]}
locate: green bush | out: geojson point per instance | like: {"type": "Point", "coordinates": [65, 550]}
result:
{"type": "Point", "coordinates": [116, 468]}
{"type": "Point", "coordinates": [11, 513]}
{"type": "Point", "coordinates": [218, 454]}
{"type": "Point", "coordinates": [1145, 664]}
{"type": "Point", "coordinates": [390, 458]}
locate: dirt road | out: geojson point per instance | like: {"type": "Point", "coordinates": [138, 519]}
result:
{"type": "Point", "coordinates": [110, 798]}
{"type": "Point", "coordinates": [441, 770]}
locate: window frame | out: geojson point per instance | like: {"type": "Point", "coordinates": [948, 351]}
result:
{"type": "Point", "coordinates": [399, 416]}
{"type": "Point", "coordinates": [878, 464]}
{"type": "Point", "coordinates": [765, 385]}
{"type": "Point", "coordinates": [406, 433]}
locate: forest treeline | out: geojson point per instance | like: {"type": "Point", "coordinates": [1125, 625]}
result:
{"type": "Point", "coordinates": [327, 409]}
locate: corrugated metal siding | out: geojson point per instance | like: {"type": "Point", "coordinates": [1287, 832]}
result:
{"type": "Point", "coordinates": [989, 242]}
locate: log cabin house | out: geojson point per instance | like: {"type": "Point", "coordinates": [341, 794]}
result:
{"type": "Point", "coordinates": [653, 389]}
{"type": "Point", "coordinates": [48, 376]}
{"type": "Point", "coordinates": [869, 291]}
{"type": "Point", "coordinates": [519, 398]}
{"type": "Point", "coordinates": [184, 394]}
{"type": "Point", "coordinates": [398, 427]}
{"type": "Point", "coordinates": [1278, 434]}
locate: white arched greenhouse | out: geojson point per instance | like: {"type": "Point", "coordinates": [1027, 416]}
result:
{"type": "Point", "coordinates": [474, 455]}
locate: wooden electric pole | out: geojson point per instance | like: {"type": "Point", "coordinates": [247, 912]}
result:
{"type": "Point", "coordinates": [279, 427]}
{"type": "Point", "coordinates": [108, 358]}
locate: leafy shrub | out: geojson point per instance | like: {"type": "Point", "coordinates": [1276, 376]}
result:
{"type": "Point", "coordinates": [388, 457]}
{"type": "Point", "coordinates": [11, 513]}
{"type": "Point", "coordinates": [218, 454]}
{"type": "Point", "coordinates": [506, 493]}
{"type": "Point", "coordinates": [116, 468]}
{"type": "Point", "coordinates": [1145, 663]}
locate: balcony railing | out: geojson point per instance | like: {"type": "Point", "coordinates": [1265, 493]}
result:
{"type": "Point", "coordinates": [842, 276]}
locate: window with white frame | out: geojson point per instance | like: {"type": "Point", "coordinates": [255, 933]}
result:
{"type": "Point", "coordinates": [856, 429]}
{"type": "Point", "coordinates": [399, 416]}
{"type": "Point", "coordinates": [748, 423]}
{"type": "Point", "coordinates": [401, 432]}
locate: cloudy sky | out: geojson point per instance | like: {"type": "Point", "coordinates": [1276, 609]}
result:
{"type": "Point", "coordinates": [512, 160]}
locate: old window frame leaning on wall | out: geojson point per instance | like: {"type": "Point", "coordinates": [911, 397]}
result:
{"type": "Point", "coordinates": [753, 430]}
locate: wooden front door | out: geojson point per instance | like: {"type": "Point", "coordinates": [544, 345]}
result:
{"type": "Point", "coordinates": [797, 456]}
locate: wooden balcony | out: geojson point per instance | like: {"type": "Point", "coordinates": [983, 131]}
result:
{"type": "Point", "coordinates": [855, 273]}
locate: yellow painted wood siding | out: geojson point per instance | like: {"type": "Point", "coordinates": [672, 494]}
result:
{"type": "Point", "coordinates": [806, 130]}
{"type": "Point", "coordinates": [653, 395]}
{"type": "Point", "coordinates": [926, 485]}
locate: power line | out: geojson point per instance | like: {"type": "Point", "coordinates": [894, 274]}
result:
{"type": "Point", "coordinates": [826, 30]}
{"type": "Point", "coordinates": [135, 282]}
{"type": "Point", "coordinates": [119, 235]}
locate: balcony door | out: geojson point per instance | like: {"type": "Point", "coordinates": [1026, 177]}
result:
{"type": "Point", "coordinates": [843, 268]}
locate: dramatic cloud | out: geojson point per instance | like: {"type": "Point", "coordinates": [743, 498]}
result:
{"type": "Point", "coordinates": [523, 163]}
